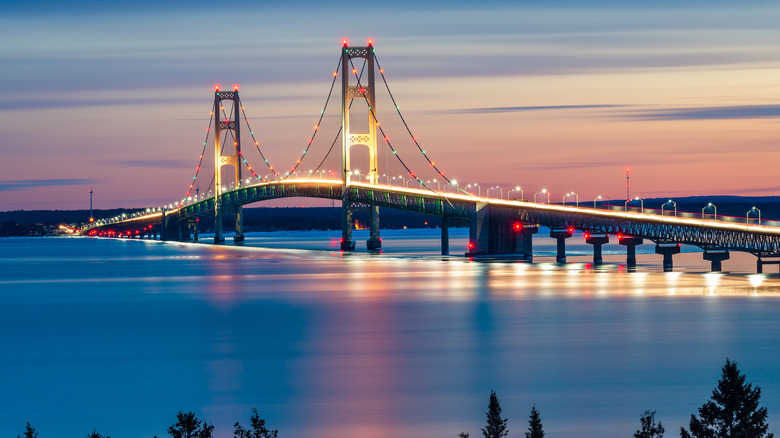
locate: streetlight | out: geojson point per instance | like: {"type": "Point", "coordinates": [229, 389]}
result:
{"type": "Point", "coordinates": [387, 179]}
{"type": "Point", "coordinates": [576, 198]}
{"type": "Point", "coordinates": [747, 216]}
{"type": "Point", "coordinates": [669, 202]}
{"type": "Point", "coordinates": [543, 191]}
{"type": "Point", "coordinates": [500, 191]}
{"type": "Point", "coordinates": [714, 210]}
{"type": "Point", "coordinates": [597, 198]}
{"type": "Point", "coordinates": [636, 198]}
{"type": "Point", "coordinates": [479, 189]}
{"type": "Point", "coordinates": [438, 184]}
{"type": "Point", "coordinates": [406, 183]}
{"type": "Point", "coordinates": [516, 189]}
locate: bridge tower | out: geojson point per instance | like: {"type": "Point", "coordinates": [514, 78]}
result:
{"type": "Point", "coordinates": [362, 91]}
{"type": "Point", "coordinates": [224, 121]}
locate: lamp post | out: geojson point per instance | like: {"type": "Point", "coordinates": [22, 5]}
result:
{"type": "Point", "coordinates": [479, 189]}
{"type": "Point", "coordinates": [597, 198]}
{"type": "Point", "coordinates": [500, 191]}
{"type": "Point", "coordinates": [516, 189]}
{"type": "Point", "coordinates": [406, 183]}
{"type": "Point", "coordinates": [543, 191]}
{"type": "Point", "coordinates": [714, 210]}
{"type": "Point", "coordinates": [669, 202]}
{"type": "Point", "coordinates": [747, 216]}
{"type": "Point", "coordinates": [576, 198]}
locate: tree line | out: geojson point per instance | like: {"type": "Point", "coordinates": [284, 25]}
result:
{"type": "Point", "coordinates": [731, 412]}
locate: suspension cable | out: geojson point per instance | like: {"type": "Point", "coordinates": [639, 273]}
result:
{"type": "Point", "coordinates": [317, 126]}
{"type": "Point", "coordinates": [414, 138]}
{"type": "Point", "coordinates": [203, 152]}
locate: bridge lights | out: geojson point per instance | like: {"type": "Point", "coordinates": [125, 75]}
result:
{"type": "Point", "coordinates": [518, 226]}
{"type": "Point", "coordinates": [479, 189]}
{"type": "Point", "coordinates": [516, 189]}
{"type": "Point", "coordinates": [714, 210]}
{"type": "Point", "coordinates": [747, 216]}
{"type": "Point", "coordinates": [544, 191]}
{"type": "Point", "coordinates": [576, 198]}
{"type": "Point", "coordinates": [669, 202]}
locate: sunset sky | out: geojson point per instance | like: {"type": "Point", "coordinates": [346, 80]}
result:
{"type": "Point", "coordinates": [116, 95]}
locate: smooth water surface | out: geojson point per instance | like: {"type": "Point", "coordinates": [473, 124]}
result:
{"type": "Point", "coordinates": [120, 335]}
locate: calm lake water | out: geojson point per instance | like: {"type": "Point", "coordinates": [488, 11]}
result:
{"type": "Point", "coordinates": [120, 335]}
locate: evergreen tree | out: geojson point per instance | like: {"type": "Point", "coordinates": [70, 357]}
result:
{"type": "Point", "coordinates": [649, 428]}
{"type": "Point", "coordinates": [732, 411]}
{"type": "Point", "coordinates": [534, 425]}
{"type": "Point", "coordinates": [496, 427]}
{"type": "Point", "coordinates": [188, 426]}
{"type": "Point", "coordinates": [258, 429]}
{"type": "Point", "coordinates": [29, 432]}
{"type": "Point", "coordinates": [95, 434]}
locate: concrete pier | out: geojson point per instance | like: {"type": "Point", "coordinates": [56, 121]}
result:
{"type": "Point", "coordinates": [716, 257]}
{"type": "Point", "coordinates": [525, 242]}
{"type": "Point", "coordinates": [493, 233]}
{"type": "Point", "coordinates": [561, 235]}
{"type": "Point", "coordinates": [668, 250]}
{"type": "Point", "coordinates": [630, 243]}
{"type": "Point", "coordinates": [597, 240]}
{"type": "Point", "coordinates": [374, 242]}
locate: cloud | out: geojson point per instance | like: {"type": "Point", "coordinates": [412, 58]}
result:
{"type": "Point", "coordinates": [711, 113]}
{"type": "Point", "coordinates": [40, 104]}
{"type": "Point", "coordinates": [12, 186]}
{"type": "Point", "coordinates": [153, 163]}
{"type": "Point", "coordinates": [511, 109]}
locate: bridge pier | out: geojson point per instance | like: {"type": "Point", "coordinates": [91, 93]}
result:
{"type": "Point", "coordinates": [630, 243]}
{"type": "Point", "coordinates": [525, 242]}
{"type": "Point", "coordinates": [667, 249]}
{"type": "Point", "coordinates": [492, 233]}
{"type": "Point", "coordinates": [195, 226]}
{"type": "Point", "coordinates": [445, 236]}
{"type": "Point", "coordinates": [716, 258]}
{"type": "Point", "coordinates": [597, 240]}
{"type": "Point", "coordinates": [239, 237]}
{"type": "Point", "coordinates": [561, 235]}
{"type": "Point", "coordinates": [761, 262]}
{"type": "Point", "coordinates": [374, 242]}
{"type": "Point", "coordinates": [347, 244]}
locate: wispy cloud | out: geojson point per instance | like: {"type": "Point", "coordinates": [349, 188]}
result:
{"type": "Point", "coordinates": [11, 186]}
{"type": "Point", "coordinates": [153, 163]}
{"type": "Point", "coordinates": [39, 104]}
{"type": "Point", "coordinates": [710, 113]}
{"type": "Point", "coordinates": [512, 109]}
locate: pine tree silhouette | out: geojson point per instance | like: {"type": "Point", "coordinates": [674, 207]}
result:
{"type": "Point", "coordinates": [732, 411]}
{"type": "Point", "coordinates": [534, 425]}
{"type": "Point", "coordinates": [649, 428]}
{"type": "Point", "coordinates": [496, 427]}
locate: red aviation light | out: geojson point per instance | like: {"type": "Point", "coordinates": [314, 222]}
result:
{"type": "Point", "coordinates": [216, 87]}
{"type": "Point", "coordinates": [587, 235]}
{"type": "Point", "coordinates": [620, 237]}
{"type": "Point", "coordinates": [370, 42]}
{"type": "Point", "coordinates": [571, 230]}
{"type": "Point", "coordinates": [344, 42]}
{"type": "Point", "coordinates": [235, 87]}
{"type": "Point", "coordinates": [518, 226]}
{"type": "Point", "coordinates": [471, 245]}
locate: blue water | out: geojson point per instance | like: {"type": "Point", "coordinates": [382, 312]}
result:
{"type": "Point", "coordinates": [120, 335]}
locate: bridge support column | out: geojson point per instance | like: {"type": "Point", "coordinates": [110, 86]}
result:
{"type": "Point", "coordinates": [668, 250]}
{"type": "Point", "coordinates": [492, 232]}
{"type": "Point", "coordinates": [239, 237]}
{"type": "Point", "coordinates": [525, 242]}
{"type": "Point", "coordinates": [445, 236]}
{"type": "Point", "coordinates": [347, 244]}
{"type": "Point", "coordinates": [561, 235]}
{"type": "Point", "coordinates": [597, 240]}
{"type": "Point", "coordinates": [218, 236]}
{"type": "Point", "coordinates": [630, 243]}
{"type": "Point", "coordinates": [374, 242]}
{"type": "Point", "coordinates": [716, 258]}
{"type": "Point", "coordinates": [195, 230]}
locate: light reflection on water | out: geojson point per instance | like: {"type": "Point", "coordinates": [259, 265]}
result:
{"type": "Point", "coordinates": [120, 335]}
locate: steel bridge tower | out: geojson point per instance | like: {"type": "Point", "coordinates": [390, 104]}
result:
{"type": "Point", "coordinates": [349, 139]}
{"type": "Point", "coordinates": [229, 123]}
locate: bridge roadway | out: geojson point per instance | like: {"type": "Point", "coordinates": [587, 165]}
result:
{"type": "Point", "coordinates": [491, 220]}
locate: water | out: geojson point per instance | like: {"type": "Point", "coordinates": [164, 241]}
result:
{"type": "Point", "coordinates": [120, 335]}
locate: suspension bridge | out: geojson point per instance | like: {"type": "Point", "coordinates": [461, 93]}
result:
{"type": "Point", "coordinates": [497, 227]}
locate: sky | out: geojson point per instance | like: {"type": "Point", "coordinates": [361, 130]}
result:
{"type": "Point", "coordinates": [115, 96]}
